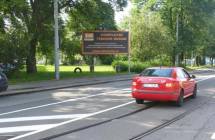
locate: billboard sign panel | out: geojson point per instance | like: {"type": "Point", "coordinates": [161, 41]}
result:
{"type": "Point", "coordinates": [105, 42]}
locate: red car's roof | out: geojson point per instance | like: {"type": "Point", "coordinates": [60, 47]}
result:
{"type": "Point", "coordinates": [163, 67]}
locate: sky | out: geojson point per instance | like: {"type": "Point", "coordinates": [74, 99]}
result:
{"type": "Point", "coordinates": [119, 16]}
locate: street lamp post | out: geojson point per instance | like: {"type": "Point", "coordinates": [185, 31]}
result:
{"type": "Point", "coordinates": [129, 51]}
{"type": "Point", "coordinates": [56, 14]}
{"type": "Point", "coordinates": [177, 32]}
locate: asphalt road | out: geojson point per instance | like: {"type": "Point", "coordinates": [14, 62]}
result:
{"type": "Point", "coordinates": [107, 112]}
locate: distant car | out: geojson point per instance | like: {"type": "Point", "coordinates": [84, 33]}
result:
{"type": "Point", "coordinates": [164, 84]}
{"type": "Point", "coordinates": [6, 68]}
{"type": "Point", "coordinates": [3, 82]}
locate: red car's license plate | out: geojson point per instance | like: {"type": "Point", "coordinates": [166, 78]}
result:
{"type": "Point", "coordinates": [150, 85]}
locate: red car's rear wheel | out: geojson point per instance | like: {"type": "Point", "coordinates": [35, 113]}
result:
{"type": "Point", "coordinates": [139, 101]}
{"type": "Point", "coordinates": [194, 92]}
{"type": "Point", "coordinates": [180, 100]}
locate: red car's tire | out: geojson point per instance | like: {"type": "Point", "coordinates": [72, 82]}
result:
{"type": "Point", "coordinates": [180, 100]}
{"type": "Point", "coordinates": [194, 92]}
{"type": "Point", "coordinates": [139, 101]}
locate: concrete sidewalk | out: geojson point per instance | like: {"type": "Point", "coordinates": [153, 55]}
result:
{"type": "Point", "coordinates": [65, 83]}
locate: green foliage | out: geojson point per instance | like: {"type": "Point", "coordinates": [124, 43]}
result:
{"type": "Point", "coordinates": [162, 60]}
{"type": "Point", "coordinates": [106, 60]}
{"type": "Point", "coordinates": [194, 16]}
{"type": "Point", "coordinates": [35, 19]}
{"type": "Point", "coordinates": [136, 67]}
{"type": "Point", "coordinates": [149, 37]}
{"type": "Point", "coordinates": [12, 50]}
{"type": "Point", "coordinates": [70, 48]}
{"type": "Point", "coordinates": [123, 65]}
{"type": "Point", "coordinates": [86, 16]}
{"type": "Point", "coordinates": [91, 15]}
{"type": "Point", "coordinates": [153, 29]}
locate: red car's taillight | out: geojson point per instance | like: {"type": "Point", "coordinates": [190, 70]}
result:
{"type": "Point", "coordinates": [134, 83]}
{"type": "Point", "coordinates": [169, 85]}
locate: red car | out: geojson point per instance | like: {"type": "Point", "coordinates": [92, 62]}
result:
{"type": "Point", "coordinates": [164, 84]}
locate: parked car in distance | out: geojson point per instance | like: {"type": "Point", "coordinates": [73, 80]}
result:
{"type": "Point", "coordinates": [7, 68]}
{"type": "Point", "coordinates": [3, 82]}
{"type": "Point", "coordinates": [164, 84]}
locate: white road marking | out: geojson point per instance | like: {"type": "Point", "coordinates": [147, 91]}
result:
{"type": "Point", "coordinates": [39, 118]}
{"type": "Point", "coordinates": [213, 136]}
{"type": "Point", "coordinates": [205, 79]}
{"type": "Point", "coordinates": [25, 128]}
{"type": "Point", "coordinates": [67, 122]}
{"type": "Point", "coordinates": [56, 103]}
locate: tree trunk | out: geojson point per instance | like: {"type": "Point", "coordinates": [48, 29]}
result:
{"type": "Point", "coordinates": [31, 58]}
{"type": "Point", "coordinates": [212, 62]}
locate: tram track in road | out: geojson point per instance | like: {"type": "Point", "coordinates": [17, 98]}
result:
{"type": "Point", "coordinates": [148, 106]}
{"type": "Point", "coordinates": [165, 124]}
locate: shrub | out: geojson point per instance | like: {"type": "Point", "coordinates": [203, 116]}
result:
{"type": "Point", "coordinates": [136, 67]}
{"type": "Point", "coordinates": [160, 61]}
{"type": "Point", "coordinates": [123, 65]}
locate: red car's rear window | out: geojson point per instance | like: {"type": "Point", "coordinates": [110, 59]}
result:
{"type": "Point", "coordinates": [157, 72]}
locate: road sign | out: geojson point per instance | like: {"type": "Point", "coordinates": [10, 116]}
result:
{"type": "Point", "coordinates": [105, 42]}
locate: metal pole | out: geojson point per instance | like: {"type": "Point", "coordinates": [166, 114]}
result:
{"type": "Point", "coordinates": [177, 32]}
{"type": "Point", "coordinates": [57, 76]}
{"type": "Point", "coordinates": [129, 49]}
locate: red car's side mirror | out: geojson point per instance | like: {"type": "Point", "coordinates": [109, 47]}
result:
{"type": "Point", "coordinates": [193, 76]}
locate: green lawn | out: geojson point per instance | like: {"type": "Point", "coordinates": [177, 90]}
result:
{"type": "Point", "coordinates": [50, 68]}
{"type": "Point", "coordinates": [47, 73]}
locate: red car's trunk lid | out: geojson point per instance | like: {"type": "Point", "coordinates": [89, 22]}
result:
{"type": "Point", "coordinates": [157, 80]}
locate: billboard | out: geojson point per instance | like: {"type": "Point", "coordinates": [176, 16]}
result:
{"type": "Point", "coordinates": [105, 42]}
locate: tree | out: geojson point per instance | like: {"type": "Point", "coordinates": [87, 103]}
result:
{"type": "Point", "coordinates": [36, 19]}
{"type": "Point", "coordinates": [12, 35]}
{"type": "Point", "coordinates": [87, 16]}
{"type": "Point", "coordinates": [149, 37]}
{"type": "Point", "coordinates": [210, 48]}
{"type": "Point", "coordinates": [193, 20]}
